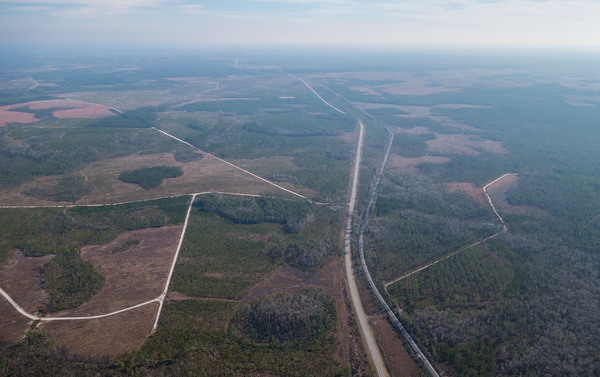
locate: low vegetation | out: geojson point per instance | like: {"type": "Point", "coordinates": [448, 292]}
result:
{"type": "Point", "coordinates": [130, 244]}
{"type": "Point", "coordinates": [66, 189]}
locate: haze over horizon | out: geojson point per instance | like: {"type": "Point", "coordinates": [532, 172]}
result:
{"type": "Point", "coordinates": [546, 24]}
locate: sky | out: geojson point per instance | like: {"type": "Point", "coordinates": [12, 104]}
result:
{"type": "Point", "coordinates": [468, 23]}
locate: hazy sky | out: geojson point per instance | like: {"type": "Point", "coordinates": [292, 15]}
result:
{"type": "Point", "coordinates": [515, 23]}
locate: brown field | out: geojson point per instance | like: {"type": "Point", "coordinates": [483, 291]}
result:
{"type": "Point", "coordinates": [411, 164]}
{"type": "Point", "coordinates": [469, 188]}
{"type": "Point", "coordinates": [78, 109]}
{"type": "Point", "coordinates": [7, 116]}
{"type": "Point", "coordinates": [21, 279]}
{"type": "Point", "coordinates": [397, 359]}
{"type": "Point", "coordinates": [462, 144]}
{"type": "Point", "coordinates": [133, 276]}
{"type": "Point", "coordinates": [13, 325]}
{"type": "Point", "coordinates": [109, 336]}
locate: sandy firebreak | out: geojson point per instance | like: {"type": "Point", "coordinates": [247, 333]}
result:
{"type": "Point", "coordinates": [68, 108]}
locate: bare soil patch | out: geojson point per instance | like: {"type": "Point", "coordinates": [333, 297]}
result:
{"type": "Point", "coordinates": [411, 164]}
{"type": "Point", "coordinates": [469, 188]}
{"type": "Point", "coordinates": [133, 276]}
{"type": "Point", "coordinates": [462, 144]}
{"type": "Point", "coordinates": [21, 278]}
{"type": "Point", "coordinates": [110, 336]}
{"type": "Point", "coordinates": [397, 360]}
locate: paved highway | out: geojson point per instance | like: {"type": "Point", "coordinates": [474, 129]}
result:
{"type": "Point", "coordinates": [355, 296]}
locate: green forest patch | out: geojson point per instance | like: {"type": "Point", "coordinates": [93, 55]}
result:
{"type": "Point", "coordinates": [151, 177]}
{"type": "Point", "coordinates": [286, 318]}
{"type": "Point", "coordinates": [70, 281]}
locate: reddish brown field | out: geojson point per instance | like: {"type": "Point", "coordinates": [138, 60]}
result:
{"type": "Point", "coordinates": [469, 188]}
{"type": "Point", "coordinates": [110, 336]}
{"type": "Point", "coordinates": [75, 109]}
{"type": "Point", "coordinates": [497, 193]}
{"type": "Point", "coordinates": [7, 116]}
{"type": "Point", "coordinates": [13, 325]}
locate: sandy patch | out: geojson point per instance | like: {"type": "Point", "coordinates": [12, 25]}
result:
{"type": "Point", "coordinates": [411, 164]}
{"type": "Point", "coordinates": [469, 188]}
